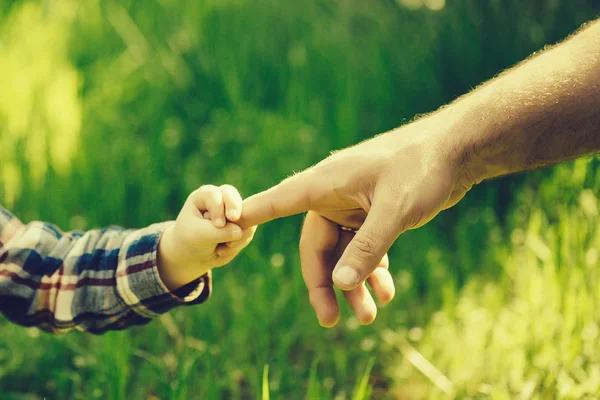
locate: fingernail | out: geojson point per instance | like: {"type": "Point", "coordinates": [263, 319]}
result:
{"type": "Point", "coordinates": [346, 275]}
{"type": "Point", "coordinates": [238, 233]}
{"type": "Point", "coordinates": [233, 214]}
{"type": "Point", "coordinates": [219, 222]}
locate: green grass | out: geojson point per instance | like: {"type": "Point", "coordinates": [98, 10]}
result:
{"type": "Point", "coordinates": [531, 333]}
{"type": "Point", "coordinates": [112, 112]}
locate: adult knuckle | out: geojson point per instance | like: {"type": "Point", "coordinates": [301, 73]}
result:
{"type": "Point", "coordinates": [415, 214]}
{"type": "Point", "coordinates": [365, 246]}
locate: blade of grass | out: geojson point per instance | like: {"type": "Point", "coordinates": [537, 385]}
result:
{"type": "Point", "coordinates": [362, 390]}
{"type": "Point", "coordinates": [265, 383]}
{"type": "Point", "coordinates": [420, 362]}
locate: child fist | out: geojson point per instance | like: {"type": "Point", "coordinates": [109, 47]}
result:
{"type": "Point", "coordinates": [203, 237]}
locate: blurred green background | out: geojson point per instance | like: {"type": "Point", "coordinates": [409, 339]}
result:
{"type": "Point", "coordinates": [112, 112]}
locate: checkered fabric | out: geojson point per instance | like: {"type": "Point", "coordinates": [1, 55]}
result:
{"type": "Point", "coordinates": [95, 281]}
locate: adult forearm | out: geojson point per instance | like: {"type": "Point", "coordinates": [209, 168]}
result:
{"type": "Point", "coordinates": [541, 112]}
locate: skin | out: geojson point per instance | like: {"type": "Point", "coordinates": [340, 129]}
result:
{"type": "Point", "coordinates": [203, 237]}
{"type": "Point", "coordinates": [541, 112]}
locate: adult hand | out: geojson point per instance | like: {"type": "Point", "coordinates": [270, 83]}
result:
{"type": "Point", "coordinates": [539, 113]}
{"type": "Point", "coordinates": [382, 187]}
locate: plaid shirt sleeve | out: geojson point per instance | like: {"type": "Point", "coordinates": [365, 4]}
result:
{"type": "Point", "coordinates": [94, 281]}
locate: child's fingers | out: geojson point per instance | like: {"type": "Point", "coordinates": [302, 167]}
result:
{"type": "Point", "coordinates": [247, 234]}
{"type": "Point", "coordinates": [233, 202]}
{"type": "Point", "coordinates": [210, 198]}
{"type": "Point", "coordinates": [211, 233]}
{"type": "Point", "coordinates": [233, 247]}
{"type": "Point", "coordinates": [206, 215]}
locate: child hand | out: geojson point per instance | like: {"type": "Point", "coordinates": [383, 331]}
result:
{"type": "Point", "coordinates": [203, 237]}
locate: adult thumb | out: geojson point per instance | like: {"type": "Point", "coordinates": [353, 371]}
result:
{"type": "Point", "coordinates": [384, 223]}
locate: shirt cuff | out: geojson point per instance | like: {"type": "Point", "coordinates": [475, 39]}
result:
{"type": "Point", "coordinates": [139, 284]}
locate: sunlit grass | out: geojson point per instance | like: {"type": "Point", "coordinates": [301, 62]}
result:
{"type": "Point", "coordinates": [112, 112]}
{"type": "Point", "coordinates": [40, 107]}
{"type": "Point", "coordinates": [532, 333]}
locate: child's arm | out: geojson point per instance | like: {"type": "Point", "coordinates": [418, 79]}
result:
{"type": "Point", "coordinates": [92, 281]}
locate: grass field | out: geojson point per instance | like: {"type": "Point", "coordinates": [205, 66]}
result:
{"type": "Point", "coordinates": [112, 112]}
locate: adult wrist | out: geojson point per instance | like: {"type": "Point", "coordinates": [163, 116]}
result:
{"type": "Point", "coordinates": [539, 113]}
{"type": "Point", "coordinates": [475, 136]}
{"type": "Point", "coordinates": [457, 142]}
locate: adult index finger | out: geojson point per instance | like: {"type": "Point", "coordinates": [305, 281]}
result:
{"type": "Point", "coordinates": [291, 196]}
